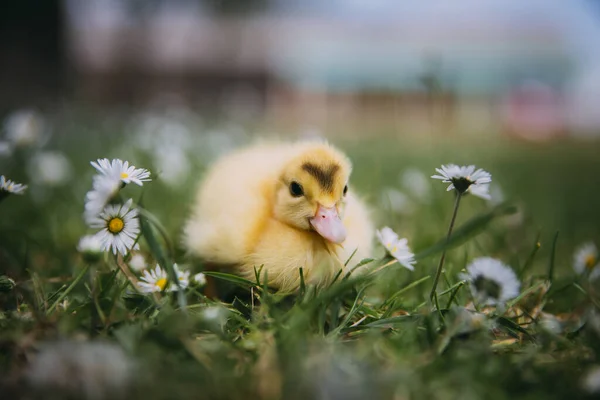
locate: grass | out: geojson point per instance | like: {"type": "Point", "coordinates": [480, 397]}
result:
{"type": "Point", "coordinates": [375, 335]}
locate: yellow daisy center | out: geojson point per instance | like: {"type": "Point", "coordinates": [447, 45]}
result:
{"type": "Point", "coordinates": [590, 261]}
{"type": "Point", "coordinates": [115, 225]}
{"type": "Point", "coordinates": [394, 249]}
{"type": "Point", "coordinates": [124, 175]}
{"type": "Point", "coordinates": [161, 283]}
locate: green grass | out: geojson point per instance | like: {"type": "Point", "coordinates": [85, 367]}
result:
{"type": "Point", "coordinates": [365, 336]}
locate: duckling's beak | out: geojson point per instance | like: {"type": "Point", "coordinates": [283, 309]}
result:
{"type": "Point", "coordinates": [328, 224]}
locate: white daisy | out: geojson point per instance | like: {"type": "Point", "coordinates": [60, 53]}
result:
{"type": "Point", "coordinates": [104, 188]}
{"type": "Point", "coordinates": [200, 279]}
{"type": "Point", "coordinates": [154, 281]}
{"type": "Point", "coordinates": [5, 148]}
{"type": "Point", "coordinates": [492, 281]}
{"type": "Point", "coordinates": [173, 165]}
{"type": "Point", "coordinates": [416, 183]}
{"type": "Point", "coordinates": [398, 248]}
{"type": "Point", "coordinates": [127, 173]}
{"type": "Point", "coordinates": [182, 276]}
{"type": "Point", "coordinates": [137, 262]}
{"type": "Point", "coordinates": [50, 168]}
{"type": "Point", "coordinates": [89, 244]}
{"type": "Point", "coordinates": [120, 227]}
{"type": "Point", "coordinates": [586, 261]}
{"type": "Point", "coordinates": [9, 187]}
{"type": "Point", "coordinates": [465, 179]}
{"type": "Point", "coordinates": [396, 201]}
{"type": "Point", "coordinates": [24, 127]}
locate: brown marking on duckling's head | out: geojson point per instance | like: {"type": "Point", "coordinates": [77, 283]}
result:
{"type": "Point", "coordinates": [325, 177]}
{"type": "Point", "coordinates": [311, 190]}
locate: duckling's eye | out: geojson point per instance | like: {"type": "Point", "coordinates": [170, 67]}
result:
{"type": "Point", "coordinates": [296, 190]}
{"type": "Point", "coordinates": [345, 189]}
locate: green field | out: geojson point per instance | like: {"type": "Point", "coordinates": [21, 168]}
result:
{"type": "Point", "coordinates": [375, 335]}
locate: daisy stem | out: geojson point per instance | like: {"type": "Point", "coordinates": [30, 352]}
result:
{"type": "Point", "coordinates": [441, 264]}
{"type": "Point", "coordinates": [125, 270]}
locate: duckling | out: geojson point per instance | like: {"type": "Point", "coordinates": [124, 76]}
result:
{"type": "Point", "coordinates": [279, 207]}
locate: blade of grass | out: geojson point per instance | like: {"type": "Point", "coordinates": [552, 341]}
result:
{"type": "Point", "coordinates": [552, 256]}
{"type": "Point", "coordinates": [534, 251]}
{"type": "Point", "coordinates": [68, 289]}
{"type": "Point", "coordinates": [231, 278]}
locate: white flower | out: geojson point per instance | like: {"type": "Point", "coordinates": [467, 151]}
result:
{"type": "Point", "coordinates": [492, 282]}
{"type": "Point", "coordinates": [182, 276]}
{"type": "Point", "coordinates": [482, 191]}
{"type": "Point", "coordinates": [398, 248]}
{"type": "Point", "coordinates": [586, 260]}
{"type": "Point", "coordinates": [137, 262]}
{"type": "Point", "coordinates": [120, 227]}
{"type": "Point", "coordinates": [127, 173]}
{"type": "Point", "coordinates": [50, 168]}
{"type": "Point", "coordinates": [416, 183]}
{"type": "Point", "coordinates": [465, 179]}
{"type": "Point", "coordinates": [5, 149]}
{"type": "Point", "coordinates": [89, 244]}
{"type": "Point", "coordinates": [213, 314]}
{"type": "Point", "coordinates": [8, 186]}
{"type": "Point", "coordinates": [200, 279]}
{"type": "Point", "coordinates": [154, 281]}
{"type": "Point", "coordinates": [550, 323]}
{"type": "Point", "coordinates": [397, 201]}
{"type": "Point", "coordinates": [591, 382]}
{"type": "Point", "coordinates": [24, 127]}
{"type": "Point", "coordinates": [104, 188]}
{"type": "Point", "coordinates": [172, 164]}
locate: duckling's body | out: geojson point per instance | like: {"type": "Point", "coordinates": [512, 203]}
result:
{"type": "Point", "coordinates": [249, 213]}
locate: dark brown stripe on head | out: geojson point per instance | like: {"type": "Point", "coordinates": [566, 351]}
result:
{"type": "Point", "coordinates": [323, 176]}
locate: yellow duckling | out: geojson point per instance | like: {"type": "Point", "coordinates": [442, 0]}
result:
{"type": "Point", "coordinates": [282, 207]}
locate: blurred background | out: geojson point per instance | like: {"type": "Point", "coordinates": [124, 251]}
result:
{"type": "Point", "coordinates": [403, 87]}
{"type": "Point", "coordinates": [528, 69]}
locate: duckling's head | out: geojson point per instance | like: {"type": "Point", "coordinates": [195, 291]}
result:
{"type": "Point", "coordinates": [311, 191]}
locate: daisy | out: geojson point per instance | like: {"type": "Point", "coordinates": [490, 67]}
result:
{"type": "Point", "coordinates": [137, 262]}
{"type": "Point", "coordinates": [50, 168]}
{"type": "Point", "coordinates": [586, 261]}
{"type": "Point", "coordinates": [416, 183]}
{"type": "Point", "coordinates": [24, 128]}
{"type": "Point", "coordinates": [154, 281]}
{"type": "Point", "coordinates": [127, 173]}
{"type": "Point", "coordinates": [465, 179]}
{"type": "Point", "coordinates": [104, 188]}
{"type": "Point", "coordinates": [9, 187]}
{"type": "Point", "coordinates": [492, 282]}
{"type": "Point", "coordinates": [120, 227]}
{"type": "Point", "coordinates": [182, 276]}
{"type": "Point", "coordinates": [397, 201]}
{"type": "Point", "coordinates": [398, 248]}
{"type": "Point", "coordinates": [89, 244]}
{"type": "Point", "coordinates": [200, 279]}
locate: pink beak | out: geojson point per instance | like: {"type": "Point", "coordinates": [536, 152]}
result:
{"type": "Point", "coordinates": [328, 224]}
